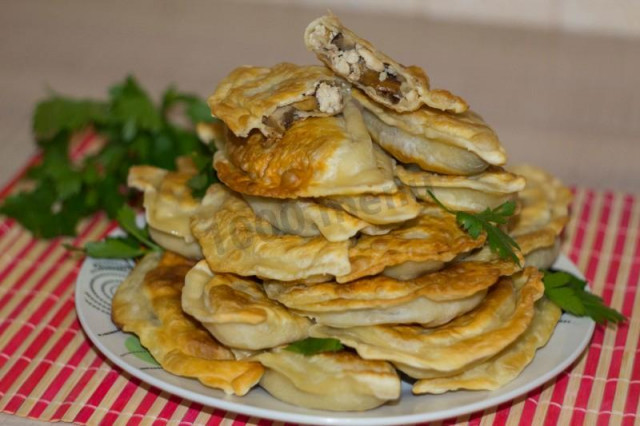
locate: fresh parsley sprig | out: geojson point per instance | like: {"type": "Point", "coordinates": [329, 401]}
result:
{"type": "Point", "coordinates": [486, 221]}
{"type": "Point", "coordinates": [206, 174]}
{"type": "Point", "coordinates": [314, 345]}
{"type": "Point", "coordinates": [570, 293]}
{"type": "Point", "coordinates": [127, 220]}
{"type": "Point", "coordinates": [135, 243]}
{"type": "Point", "coordinates": [137, 131]}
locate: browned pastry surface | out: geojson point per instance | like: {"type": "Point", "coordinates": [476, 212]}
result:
{"type": "Point", "coordinates": [315, 157]}
{"type": "Point", "coordinates": [148, 304]}
{"type": "Point", "coordinates": [271, 99]}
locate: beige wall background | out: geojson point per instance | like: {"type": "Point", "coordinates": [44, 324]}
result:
{"type": "Point", "coordinates": [615, 17]}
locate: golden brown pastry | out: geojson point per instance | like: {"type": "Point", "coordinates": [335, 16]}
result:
{"type": "Point", "coordinates": [271, 99]}
{"type": "Point", "coordinates": [148, 304]}
{"type": "Point", "coordinates": [237, 312]}
{"type": "Point", "coordinates": [503, 315]}
{"type": "Point", "coordinates": [437, 141]}
{"type": "Point", "coordinates": [168, 205]}
{"type": "Point", "coordinates": [335, 381]}
{"type": "Point", "coordinates": [316, 157]}
{"type": "Point", "coordinates": [308, 218]}
{"type": "Point", "coordinates": [507, 365]}
{"type": "Point", "coordinates": [379, 209]}
{"type": "Point", "coordinates": [544, 212]}
{"type": "Point", "coordinates": [545, 201]}
{"type": "Point", "coordinates": [474, 193]}
{"type": "Point", "coordinates": [380, 77]}
{"type": "Point", "coordinates": [431, 299]}
{"type": "Point", "coordinates": [235, 240]}
{"type": "Point", "coordinates": [323, 226]}
{"type": "Point", "coordinates": [423, 243]}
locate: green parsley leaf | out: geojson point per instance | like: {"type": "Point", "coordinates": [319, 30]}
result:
{"type": "Point", "coordinates": [137, 131]}
{"type": "Point", "coordinates": [570, 293]}
{"type": "Point", "coordinates": [556, 279]}
{"type": "Point", "coordinates": [127, 221]}
{"type": "Point", "coordinates": [504, 210]}
{"type": "Point", "coordinates": [132, 106]}
{"type": "Point", "coordinates": [135, 243]}
{"type": "Point", "coordinates": [110, 198]}
{"type": "Point", "coordinates": [115, 248]}
{"type": "Point", "coordinates": [500, 242]}
{"type": "Point", "coordinates": [62, 114]}
{"type": "Point", "coordinates": [476, 223]}
{"type": "Point", "coordinates": [313, 345]}
{"type": "Point", "coordinates": [39, 211]}
{"type": "Point", "coordinates": [198, 110]}
{"type": "Point", "coordinates": [56, 168]}
{"type": "Point", "coordinates": [206, 175]}
{"type": "Point", "coordinates": [198, 185]}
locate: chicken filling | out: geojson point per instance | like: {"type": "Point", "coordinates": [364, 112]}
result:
{"type": "Point", "coordinates": [327, 98]}
{"type": "Point", "coordinates": [359, 65]}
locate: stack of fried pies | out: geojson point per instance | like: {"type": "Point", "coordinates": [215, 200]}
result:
{"type": "Point", "coordinates": [334, 218]}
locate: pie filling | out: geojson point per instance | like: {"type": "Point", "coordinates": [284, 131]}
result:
{"type": "Point", "coordinates": [326, 98]}
{"type": "Point", "coordinates": [360, 65]}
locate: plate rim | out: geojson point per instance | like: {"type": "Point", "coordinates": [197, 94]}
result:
{"type": "Point", "coordinates": [330, 417]}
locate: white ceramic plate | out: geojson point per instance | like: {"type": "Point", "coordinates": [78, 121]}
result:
{"type": "Point", "coordinates": [99, 278]}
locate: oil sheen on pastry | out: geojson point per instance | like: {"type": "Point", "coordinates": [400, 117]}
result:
{"type": "Point", "coordinates": [148, 304]}
{"type": "Point", "coordinates": [431, 299]}
{"type": "Point", "coordinates": [316, 157]}
{"type": "Point", "coordinates": [507, 365]}
{"type": "Point", "coordinates": [421, 352]}
{"type": "Point", "coordinates": [335, 381]}
{"type": "Point", "coordinates": [237, 311]}
{"type": "Point", "coordinates": [437, 141]}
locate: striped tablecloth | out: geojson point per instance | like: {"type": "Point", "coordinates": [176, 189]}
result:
{"type": "Point", "coordinates": [50, 371]}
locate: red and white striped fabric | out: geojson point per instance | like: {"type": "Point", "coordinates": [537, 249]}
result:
{"type": "Point", "coordinates": [50, 371]}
